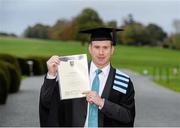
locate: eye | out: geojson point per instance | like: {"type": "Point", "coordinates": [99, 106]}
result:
{"type": "Point", "coordinates": [96, 47]}
{"type": "Point", "coordinates": [105, 47]}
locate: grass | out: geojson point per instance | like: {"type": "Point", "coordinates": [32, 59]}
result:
{"type": "Point", "coordinates": [34, 47]}
{"type": "Point", "coordinates": [174, 84]}
{"type": "Point", "coordinates": [140, 59]}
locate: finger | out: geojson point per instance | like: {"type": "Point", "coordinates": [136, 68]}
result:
{"type": "Point", "coordinates": [89, 100]}
{"type": "Point", "coordinates": [56, 61]}
{"type": "Point", "coordinates": [86, 92]}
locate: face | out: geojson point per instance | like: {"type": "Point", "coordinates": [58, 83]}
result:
{"type": "Point", "coordinates": [101, 52]}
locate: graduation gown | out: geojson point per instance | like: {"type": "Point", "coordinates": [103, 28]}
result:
{"type": "Point", "coordinates": [118, 109]}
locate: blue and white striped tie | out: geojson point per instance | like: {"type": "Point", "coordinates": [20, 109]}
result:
{"type": "Point", "coordinates": [93, 109]}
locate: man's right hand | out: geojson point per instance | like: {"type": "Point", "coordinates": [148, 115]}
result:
{"type": "Point", "coordinates": [52, 64]}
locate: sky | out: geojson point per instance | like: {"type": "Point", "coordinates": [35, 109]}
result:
{"type": "Point", "coordinates": [17, 15]}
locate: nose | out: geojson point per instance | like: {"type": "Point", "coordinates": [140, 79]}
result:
{"type": "Point", "coordinates": [101, 51]}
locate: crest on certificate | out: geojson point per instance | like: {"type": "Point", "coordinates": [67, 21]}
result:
{"type": "Point", "coordinates": [71, 63]}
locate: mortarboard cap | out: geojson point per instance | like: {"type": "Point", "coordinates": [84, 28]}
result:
{"type": "Point", "coordinates": [102, 33]}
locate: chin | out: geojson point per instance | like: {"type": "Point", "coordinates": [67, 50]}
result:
{"type": "Point", "coordinates": [101, 64]}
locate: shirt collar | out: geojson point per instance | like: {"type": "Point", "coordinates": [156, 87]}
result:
{"type": "Point", "coordinates": [105, 69]}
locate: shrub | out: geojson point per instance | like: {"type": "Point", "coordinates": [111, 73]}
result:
{"type": "Point", "coordinates": [10, 59]}
{"type": "Point", "coordinates": [15, 78]}
{"type": "Point", "coordinates": [25, 69]}
{"type": "Point", "coordinates": [14, 70]}
{"type": "Point", "coordinates": [3, 87]}
{"type": "Point", "coordinates": [39, 65]}
{"type": "Point", "coordinates": [4, 68]}
{"type": "Point", "coordinates": [44, 60]}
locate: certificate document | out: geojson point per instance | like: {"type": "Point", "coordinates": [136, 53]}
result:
{"type": "Point", "coordinates": [73, 76]}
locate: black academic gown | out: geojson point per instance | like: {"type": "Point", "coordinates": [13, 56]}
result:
{"type": "Point", "coordinates": [118, 110]}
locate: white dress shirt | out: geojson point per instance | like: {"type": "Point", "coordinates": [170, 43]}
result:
{"type": "Point", "coordinates": [102, 78]}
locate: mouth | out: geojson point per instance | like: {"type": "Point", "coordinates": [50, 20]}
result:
{"type": "Point", "coordinates": [101, 58]}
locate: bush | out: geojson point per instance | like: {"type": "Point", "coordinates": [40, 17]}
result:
{"type": "Point", "coordinates": [4, 68]}
{"type": "Point", "coordinates": [15, 78]}
{"type": "Point", "coordinates": [39, 65]}
{"type": "Point", "coordinates": [3, 87]}
{"type": "Point", "coordinates": [44, 60]}
{"type": "Point", "coordinates": [14, 70]}
{"type": "Point", "coordinates": [10, 59]}
{"type": "Point", "coordinates": [25, 69]}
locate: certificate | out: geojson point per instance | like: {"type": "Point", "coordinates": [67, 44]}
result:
{"type": "Point", "coordinates": [73, 76]}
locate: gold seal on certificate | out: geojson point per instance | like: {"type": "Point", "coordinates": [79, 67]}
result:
{"type": "Point", "coordinates": [73, 76]}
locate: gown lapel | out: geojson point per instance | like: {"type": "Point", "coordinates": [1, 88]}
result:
{"type": "Point", "coordinates": [105, 94]}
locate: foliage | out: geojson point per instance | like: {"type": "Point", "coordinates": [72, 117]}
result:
{"type": "Point", "coordinates": [112, 24]}
{"type": "Point", "coordinates": [176, 40]}
{"type": "Point", "coordinates": [176, 24]}
{"type": "Point", "coordinates": [69, 30]}
{"type": "Point", "coordinates": [15, 78]}
{"type": "Point", "coordinates": [129, 20]}
{"type": "Point", "coordinates": [62, 30]}
{"type": "Point", "coordinates": [156, 35]}
{"type": "Point", "coordinates": [14, 75]}
{"type": "Point", "coordinates": [33, 65]}
{"type": "Point", "coordinates": [5, 69]}
{"type": "Point", "coordinates": [87, 19]}
{"type": "Point", "coordinates": [10, 59]}
{"type": "Point", "coordinates": [173, 41]}
{"type": "Point", "coordinates": [37, 31]}
{"type": "Point", "coordinates": [8, 34]}
{"type": "Point", "coordinates": [38, 65]}
{"type": "Point", "coordinates": [3, 87]}
{"type": "Point", "coordinates": [134, 34]}
{"type": "Point", "coordinates": [25, 68]}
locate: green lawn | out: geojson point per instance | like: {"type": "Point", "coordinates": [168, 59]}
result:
{"type": "Point", "coordinates": [31, 47]}
{"type": "Point", "coordinates": [145, 60]}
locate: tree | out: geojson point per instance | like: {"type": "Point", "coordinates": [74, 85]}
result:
{"type": "Point", "coordinates": [156, 34]}
{"type": "Point", "coordinates": [112, 24]}
{"type": "Point", "coordinates": [173, 41]}
{"type": "Point", "coordinates": [87, 19]}
{"type": "Point", "coordinates": [129, 20]}
{"type": "Point", "coordinates": [37, 31]}
{"type": "Point", "coordinates": [134, 34]}
{"type": "Point", "coordinates": [176, 24]}
{"type": "Point", "coordinates": [62, 30]}
{"type": "Point", "coordinates": [8, 34]}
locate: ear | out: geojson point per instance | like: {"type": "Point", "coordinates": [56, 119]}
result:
{"type": "Point", "coordinates": [89, 48]}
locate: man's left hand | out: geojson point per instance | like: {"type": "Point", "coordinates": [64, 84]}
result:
{"type": "Point", "coordinates": [93, 97]}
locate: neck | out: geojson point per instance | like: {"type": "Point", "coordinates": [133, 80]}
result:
{"type": "Point", "coordinates": [101, 66]}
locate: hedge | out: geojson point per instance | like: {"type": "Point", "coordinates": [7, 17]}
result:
{"type": "Point", "coordinates": [39, 65]}
{"type": "Point", "coordinates": [11, 69]}
{"type": "Point", "coordinates": [3, 87]}
{"type": "Point", "coordinates": [9, 58]}
{"type": "Point", "coordinates": [25, 69]}
{"type": "Point", "coordinates": [15, 78]}
{"type": "Point", "coordinates": [4, 68]}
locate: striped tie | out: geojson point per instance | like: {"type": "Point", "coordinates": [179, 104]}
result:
{"type": "Point", "coordinates": [93, 109]}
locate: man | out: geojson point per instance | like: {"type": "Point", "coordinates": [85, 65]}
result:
{"type": "Point", "coordinates": [110, 101]}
